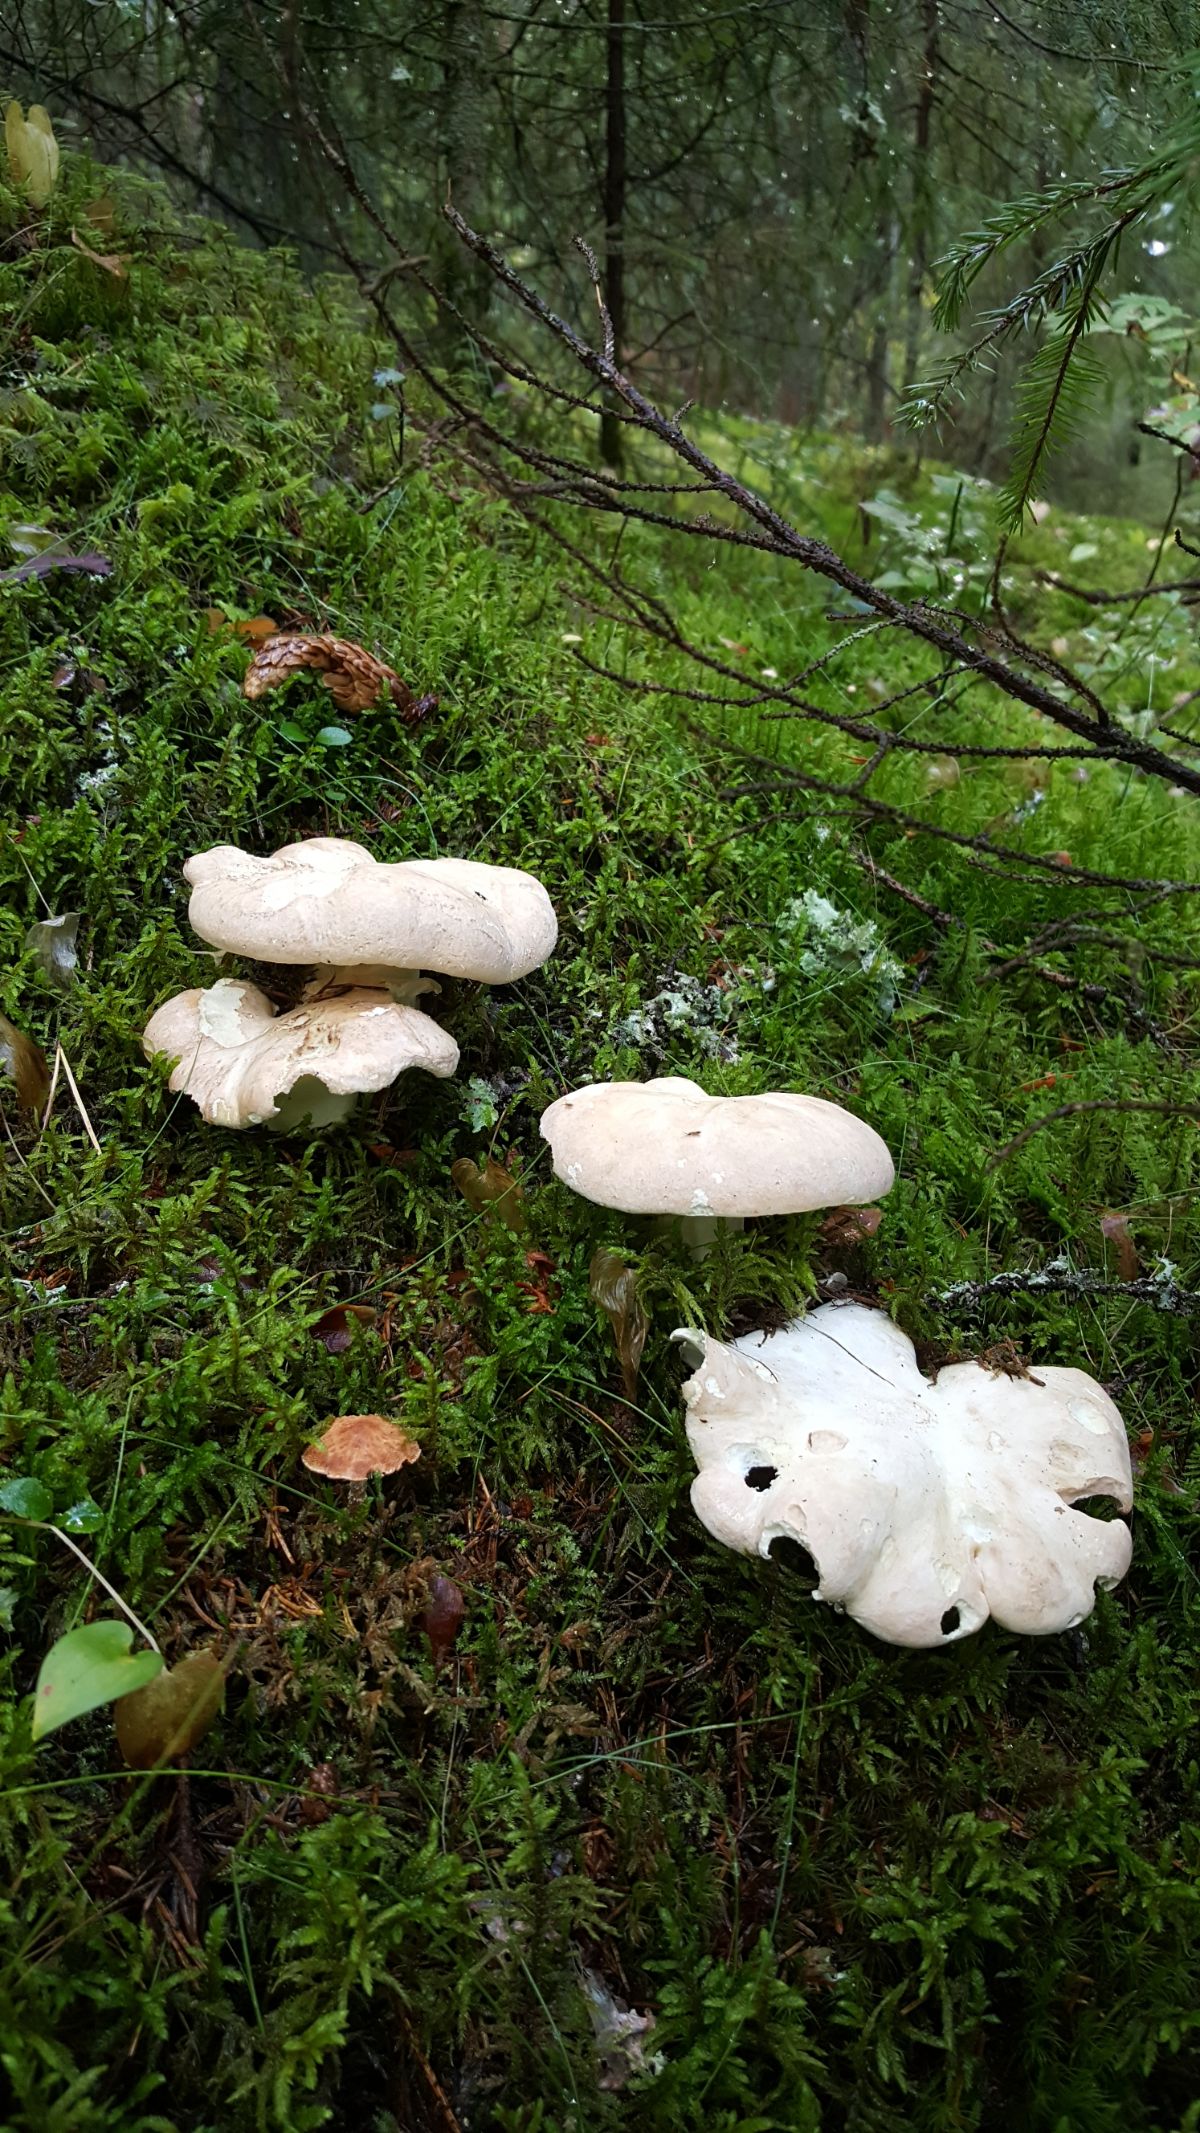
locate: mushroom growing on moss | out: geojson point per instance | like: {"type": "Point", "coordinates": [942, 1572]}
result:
{"type": "Point", "coordinates": [362, 921]}
{"type": "Point", "coordinates": [244, 1065]}
{"type": "Point", "coordinates": [925, 1506]}
{"type": "Point", "coordinates": [667, 1148]}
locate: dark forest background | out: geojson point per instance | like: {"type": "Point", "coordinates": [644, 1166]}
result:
{"type": "Point", "coordinates": [769, 184]}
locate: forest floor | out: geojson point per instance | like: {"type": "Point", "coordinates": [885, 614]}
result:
{"type": "Point", "coordinates": [855, 1886]}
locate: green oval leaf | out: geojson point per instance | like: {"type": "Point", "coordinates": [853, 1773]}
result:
{"type": "Point", "coordinates": [26, 1498]}
{"type": "Point", "coordinates": [335, 737]}
{"type": "Point", "coordinates": [86, 1668]}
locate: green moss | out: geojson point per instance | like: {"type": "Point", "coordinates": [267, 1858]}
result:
{"type": "Point", "coordinates": [859, 1887]}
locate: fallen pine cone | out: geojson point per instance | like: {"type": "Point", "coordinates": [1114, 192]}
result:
{"type": "Point", "coordinates": [354, 678]}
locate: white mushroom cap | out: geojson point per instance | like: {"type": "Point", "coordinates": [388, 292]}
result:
{"type": "Point", "coordinates": [924, 1506]}
{"type": "Point", "coordinates": [236, 1058]}
{"type": "Point", "coordinates": [666, 1148]}
{"type": "Point", "coordinates": [328, 901]}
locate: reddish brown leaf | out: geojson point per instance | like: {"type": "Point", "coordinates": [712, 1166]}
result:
{"type": "Point", "coordinates": [24, 1065]}
{"type": "Point", "coordinates": [320, 1791]}
{"type": "Point", "coordinates": [355, 1446]}
{"type": "Point", "coordinates": [354, 678]}
{"type": "Point", "coordinates": [850, 1225]}
{"type": "Point", "coordinates": [443, 1617]}
{"type": "Point", "coordinates": [335, 1328]}
{"type": "Point", "coordinates": [1114, 1228]}
{"type": "Point", "coordinates": [395, 1158]}
{"type": "Point", "coordinates": [613, 1286]}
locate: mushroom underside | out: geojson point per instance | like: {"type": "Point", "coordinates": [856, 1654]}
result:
{"type": "Point", "coordinates": [244, 1065]}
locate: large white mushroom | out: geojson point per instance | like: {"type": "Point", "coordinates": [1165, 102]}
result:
{"type": "Point", "coordinates": [244, 1065]}
{"type": "Point", "coordinates": [363, 921]}
{"type": "Point", "coordinates": [665, 1147]}
{"type": "Point", "coordinates": [926, 1506]}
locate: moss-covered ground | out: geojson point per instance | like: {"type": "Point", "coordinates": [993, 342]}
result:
{"type": "Point", "coordinates": [857, 1887]}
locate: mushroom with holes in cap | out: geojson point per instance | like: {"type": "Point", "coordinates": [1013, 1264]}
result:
{"type": "Point", "coordinates": [667, 1148]}
{"type": "Point", "coordinates": [244, 1065]}
{"type": "Point", "coordinates": [925, 1506]}
{"type": "Point", "coordinates": [364, 921]}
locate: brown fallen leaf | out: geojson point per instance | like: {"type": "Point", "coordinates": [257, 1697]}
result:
{"type": "Point", "coordinates": [335, 1327]}
{"type": "Point", "coordinates": [109, 262]}
{"type": "Point", "coordinates": [163, 1722]}
{"type": "Point", "coordinates": [356, 1446]}
{"type": "Point", "coordinates": [1114, 1228]}
{"type": "Point", "coordinates": [442, 1618]}
{"type": "Point", "coordinates": [25, 1065]}
{"type": "Point", "coordinates": [354, 678]}
{"type": "Point", "coordinates": [850, 1225]}
{"type": "Point", "coordinates": [255, 630]}
{"type": "Point", "coordinates": [613, 1286]}
{"type": "Point", "coordinates": [321, 1789]}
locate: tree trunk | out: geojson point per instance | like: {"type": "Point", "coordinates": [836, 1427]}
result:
{"type": "Point", "coordinates": [461, 164]}
{"type": "Point", "coordinates": [922, 194]}
{"type": "Point", "coordinates": [611, 435]}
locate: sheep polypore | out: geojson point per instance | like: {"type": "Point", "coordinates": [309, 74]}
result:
{"type": "Point", "coordinates": [665, 1147]}
{"type": "Point", "coordinates": [244, 1065]}
{"type": "Point", "coordinates": [925, 1506]}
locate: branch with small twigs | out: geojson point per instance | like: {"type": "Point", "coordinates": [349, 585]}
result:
{"type": "Point", "coordinates": [970, 1298]}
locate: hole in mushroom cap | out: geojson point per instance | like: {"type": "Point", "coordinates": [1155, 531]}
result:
{"type": "Point", "coordinates": [760, 1477]}
{"type": "Point", "coordinates": [1102, 1507]}
{"type": "Point", "coordinates": [790, 1555]}
{"type": "Point", "coordinates": [950, 1621]}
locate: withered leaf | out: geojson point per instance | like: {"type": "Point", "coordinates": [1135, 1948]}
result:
{"type": "Point", "coordinates": [850, 1225]}
{"type": "Point", "coordinates": [335, 1327]}
{"type": "Point", "coordinates": [163, 1722]}
{"type": "Point", "coordinates": [491, 1191]}
{"type": "Point", "coordinates": [256, 629]}
{"type": "Point", "coordinates": [356, 1446]}
{"type": "Point", "coordinates": [102, 215]}
{"type": "Point", "coordinates": [25, 1066]}
{"type": "Point", "coordinates": [89, 562]}
{"type": "Point", "coordinates": [442, 1617]}
{"type": "Point", "coordinates": [613, 1286]}
{"type": "Point", "coordinates": [52, 941]}
{"type": "Point", "coordinates": [1114, 1228]}
{"type": "Point", "coordinates": [109, 262]}
{"type": "Point", "coordinates": [321, 1788]}
{"type": "Point", "coordinates": [354, 678]}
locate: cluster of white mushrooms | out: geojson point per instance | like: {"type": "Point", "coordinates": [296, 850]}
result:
{"type": "Point", "coordinates": [925, 1506]}
{"type": "Point", "coordinates": [367, 929]}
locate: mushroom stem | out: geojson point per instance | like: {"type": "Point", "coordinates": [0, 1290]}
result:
{"type": "Point", "coordinates": [404, 986]}
{"type": "Point", "coordinates": [699, 1231]}
{"type": "Point", "coordinates": [308, 1103]}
